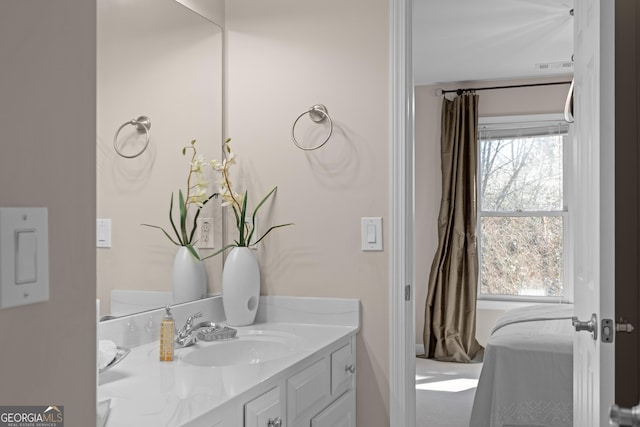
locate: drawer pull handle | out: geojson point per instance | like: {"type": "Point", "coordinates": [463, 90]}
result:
{"type": "Point", "coordinates": [275, 422]}
{"type": "Point", "coordinates": [350, 368]}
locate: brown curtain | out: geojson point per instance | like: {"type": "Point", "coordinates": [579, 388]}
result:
{"type": "Point", "coordinates": [450, 314]}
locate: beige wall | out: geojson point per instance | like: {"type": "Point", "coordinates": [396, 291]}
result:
{"type": "Point", "coordinates": [159, 59]}
{"type": "Point", "coordinates": [47, 158]}
{"type": "Point", "coordinates": [211, 9]}
{"type": "Point", "coordinates": [504, 102]}
{"type": "Point", "coordinates": [283, 57]}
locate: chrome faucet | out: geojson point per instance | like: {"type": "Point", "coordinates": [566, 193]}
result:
{"type": "Point", "coordinates": [206, 331]}
{"type": "Point", "coordinates": [186, 335]}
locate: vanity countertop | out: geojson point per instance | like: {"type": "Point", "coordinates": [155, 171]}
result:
{"type": "Point", "coordinates": [146, 392]}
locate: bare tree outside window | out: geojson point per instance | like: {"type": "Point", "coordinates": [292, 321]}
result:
{"type": "Point", "coordinates": [521, 214]}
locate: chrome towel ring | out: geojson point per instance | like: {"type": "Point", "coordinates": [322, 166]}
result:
{"type": "Point", "coordinates": [142, 124]}
{"type": "Point", "coordinates": [318, 113]}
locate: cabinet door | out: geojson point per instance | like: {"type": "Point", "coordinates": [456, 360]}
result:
{"type": "Point", "coordinates": [341, 413]}
{"type": "Point", "coordinates": [265, 410]}
{"type": "Point", "coordinates": [307, 393]}
{"type": "Point", "coordinates": [342, 370]}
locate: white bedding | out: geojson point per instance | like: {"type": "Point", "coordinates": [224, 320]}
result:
{"type": "Point", "coordinates": [527, 374]}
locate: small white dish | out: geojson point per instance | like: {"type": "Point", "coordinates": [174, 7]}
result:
{"type": "Point", "coordinates": [121, 353]}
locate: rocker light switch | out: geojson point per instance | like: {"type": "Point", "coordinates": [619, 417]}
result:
{"type": "Point", "coordinates": [24, 256]}
{"type": "Point", "coordinates": [371, 231]}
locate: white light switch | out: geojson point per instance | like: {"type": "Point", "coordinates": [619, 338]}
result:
{"type": "Point", "coordinates": [24, 256]}
{"type": "Point", "coordinates": [103, 233]}
{"type": "Point", "coordinates": [371, 231]}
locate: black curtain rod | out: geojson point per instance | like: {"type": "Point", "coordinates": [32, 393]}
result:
{"type": "Point", "coordinates": [461, 91]}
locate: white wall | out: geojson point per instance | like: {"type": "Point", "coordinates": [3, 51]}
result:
{"type": "Point", "coordinates": [504, 102]}
{"type": "Point", "coordinates": [283, 57]}
{"type": "Point", "coordinates": [159, 59]}
{"type": "Point", "coordinates": [47, 158]}
{"type": "Point", "coordinates": [210, 9]}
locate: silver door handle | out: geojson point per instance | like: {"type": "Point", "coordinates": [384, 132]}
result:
{"type": "Point", "coordinates": [590, 325]}
{"type": "Point", "coordinates": [274, 422]}
{"type": "Point", "coordinates": [625, 416]}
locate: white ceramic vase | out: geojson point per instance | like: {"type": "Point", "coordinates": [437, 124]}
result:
{"type": "Point", "coordinates": [189, 277]}
{"type": "Point", "coordinates": [240, 287]}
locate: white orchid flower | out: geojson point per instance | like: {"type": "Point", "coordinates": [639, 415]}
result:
{"type": "Point", "coordinates": [197, 163]}
{"type": "Point", "coordinates": [217, 166]}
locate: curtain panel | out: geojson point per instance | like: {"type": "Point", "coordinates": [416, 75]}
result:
{"type": "Point", "coordinates": [450, 313]}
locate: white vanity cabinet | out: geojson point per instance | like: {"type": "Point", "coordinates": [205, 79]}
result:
{"type": "Point", "coordinates": [320, 392]}
{"type": "Point", "coordinates": [265, 410]}
{"type": "Point", "coordinates": [295, 366]}
{"type": "Point", "coordinates": [341, 413]}
{"type": "Point", "coordinates": [315, 394]}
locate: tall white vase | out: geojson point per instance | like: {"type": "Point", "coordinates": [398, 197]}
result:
{"type": "Point", "coordinates": [240, 287]}
{"type": "Point", "coordinates": [189, 277]}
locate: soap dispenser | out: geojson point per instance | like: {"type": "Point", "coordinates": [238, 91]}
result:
{"type": "Point", "coordinates": [167, 332]}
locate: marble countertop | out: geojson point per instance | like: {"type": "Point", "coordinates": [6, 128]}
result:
{"type": "Point", "coordinates": [146, 392]}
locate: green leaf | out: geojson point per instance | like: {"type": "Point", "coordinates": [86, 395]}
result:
{"type": "Point", "coordinates": [183, 217]}
{"type": "Point", "coordinates": [195, 218]}
{"type": "Point", "coordinates": [193, 252]}
{"type": "Point", "coordinates": [184, 150]}
{"type": "Point", "coordinates": [253, 217]}
{"type": "Point", "coordinates": [218, 252]}
{"type": "Point", "coordinates": [253, 228]}
{"type": "Point", "coordinates": [269, 231]}
{"type": "Point", "coordinates": [171, 221]}
{"type": "Point", "coordinates": [264, 200]}
{"type": "Point", "coordinates": [235, 213]}
{"type": "Point", "coordinates": [243, 215]}
{"type": "Point", "coordinates": [193, 142]}
{"type": "Point", "coordinates": [165, 233]}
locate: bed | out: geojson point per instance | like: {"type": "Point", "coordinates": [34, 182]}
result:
{"type": "Point", "coordinates": [527, 373]}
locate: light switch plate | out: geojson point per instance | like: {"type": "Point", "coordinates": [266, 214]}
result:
{"type": "Point", "coordinates": [371, 233]}
{"type": "Point", "coordinates": [24, 256]}
{"type": "Point", "coordinates": [103, 233]}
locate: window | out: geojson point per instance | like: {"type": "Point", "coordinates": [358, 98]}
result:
{"type": "Point", "coordinates": [523, 209]}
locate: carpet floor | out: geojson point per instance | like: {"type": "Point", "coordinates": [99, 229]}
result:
{"type": "Point", "coordinates": [445, 392]}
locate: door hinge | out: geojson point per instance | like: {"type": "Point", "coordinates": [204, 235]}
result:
{"type": "Point", "coordinates": [407, 292]}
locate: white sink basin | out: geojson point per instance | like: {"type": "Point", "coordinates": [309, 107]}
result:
{"type": "Point", "coordinates": [245, 350]}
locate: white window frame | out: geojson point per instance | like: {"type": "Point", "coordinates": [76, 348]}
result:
{"type": "Point", "coordinates": [485, 300]}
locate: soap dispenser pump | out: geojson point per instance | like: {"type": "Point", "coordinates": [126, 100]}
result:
{"type": "Point", "coordinates": [167, 332]}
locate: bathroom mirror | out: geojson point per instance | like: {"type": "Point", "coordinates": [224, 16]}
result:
{"type": "Point", "coordinates": [160, 59]}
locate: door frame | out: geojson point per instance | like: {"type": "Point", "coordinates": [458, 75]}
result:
{"type": "Point", "coordinates": [401, 255]}
{"type": "Point", "coordinates": [402, 392]}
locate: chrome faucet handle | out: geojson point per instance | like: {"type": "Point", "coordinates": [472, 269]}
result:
{"type": "Point", "coordinates": [194, 316]}
{"type": "Point", "coordinates": [188, 325]}
{"type": "Point", "coordinates": [187, 336]}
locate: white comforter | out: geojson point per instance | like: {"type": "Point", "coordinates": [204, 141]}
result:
{"type": "Point", "coordinates": [527, 376]}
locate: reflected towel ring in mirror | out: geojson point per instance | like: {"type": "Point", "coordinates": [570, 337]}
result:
{"type": "Point", "coordinates": [318, 113]}
{"type": "Point", "coordinates": [568, 105]}
{"type": "Point", "coordinates": [142, 124]}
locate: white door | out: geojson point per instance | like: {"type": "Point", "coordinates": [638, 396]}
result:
{"type": "Point", "coordinates": [594, 233]}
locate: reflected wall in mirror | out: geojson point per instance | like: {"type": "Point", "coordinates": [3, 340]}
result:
{"type": "Point", "coordinates": [159, 59]}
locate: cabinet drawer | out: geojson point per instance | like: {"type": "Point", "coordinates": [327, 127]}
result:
{"type": "Point", "coordinates": [341, 413]}
{"type": "Point", "coordinates": [342, 369]}
{"type": "Point", "coordinates": [264, 410]}
{"type": "Point", "coordinates": [307, 391]}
